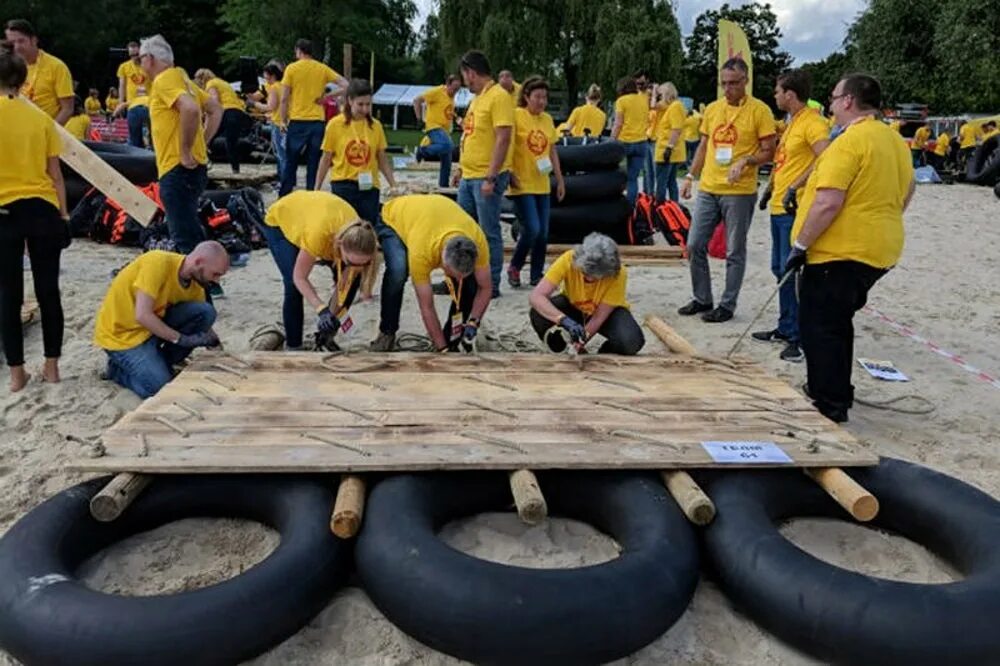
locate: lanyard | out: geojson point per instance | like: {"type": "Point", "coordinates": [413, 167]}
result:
{"type": "Point", "coordinates": [451, 292]}
{"type": "Point", "coordinates": [343, 286]}
{"type": "Point", "coordinates": [791, 124]}
{"type": "Point", "coordinates": [34, 80]}
{"type": "Point", "coordinates": [731, 121]}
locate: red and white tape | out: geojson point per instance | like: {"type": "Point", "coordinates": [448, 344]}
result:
{"type": "Point", "coordinates": [908, 332]}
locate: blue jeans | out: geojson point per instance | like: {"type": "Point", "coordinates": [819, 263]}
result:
{"type": "Point", "coordinates": [533, 212]}
{"type": "Point", "coordinates": [394, 278]}
{"type": "Point", "coordinates": [666, 181]}
{"type": "Point", "coordinates": [302, 136]}
{"type": "Point", "coordinates": [441, 148]}
{"type": "Point", "coordinates": [285, 254]}
{"type": "Point", "coordinates": [180, 189]}
{"type": "Point", "coordinates": [635, 158]}
{"type": "Point", "coordinates": [137, 117]}
{"type": "Point", "coordinates": [146, 368]}
{"type": "Point", "coordinates": [649, 168]}
{"type": "Point", "coordinates": [692, 148]}
{"type": "Point", "coordinates": [278, 145]}
{"type": "Point", "coordinates": [788, 304]}
{"type": "Point", "coordinates": [486, 211]}
{"type": "Point", "coordinates": [365, 202]}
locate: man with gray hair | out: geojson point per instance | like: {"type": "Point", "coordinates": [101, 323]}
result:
{"type": "Point", "coordinates": [592, 300]}
{"type": "Point", "coordinates": [422, 232]}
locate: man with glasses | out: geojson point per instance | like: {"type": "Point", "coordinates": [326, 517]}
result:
{"type": "Point", "coordinates": [848, 233]}
{"type": "Point", "coordinates": [738, 135]}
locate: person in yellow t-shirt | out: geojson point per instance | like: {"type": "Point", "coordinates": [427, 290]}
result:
{"type": "Point", "coordinates": [631, 117]}
{"type": "Point", "coordinates": [691, 135]}
{"type": "Point", "coordinates": [176, 109]}
{"type": "Point", "coordinates": [436, 109]}
{"type": "Point", "coordinates": [302, 114]}
{"type": "Point", "coordinates": [506, 80]}
{"type": "Point", "coordinates": [354, 144]}
{"type": "Point", "coordinates": [272, 107]}
{"type": "Point", "coordinates": [155, 314]}
{"type": "Point", "coordinates": [592, 301]}
{"type": "Point", "coordinates": [132, 82]}
{"type": "Point", "coordinates": [969, 136]}
{"type": "Point", "coordinates": [670, 151]}
{"type": "Point", "coordinates": [848, 233]}
{"type": "Point", "coordinates": [737, 137]}
{"type": "Point", "coordinates": [535, 157]}
{"type": "Point", "coordinates": [487, 152]}
{"type": "Point", "coordinates": [919, 143]}
{"type": "Point", "coordinates": [92, 105]}
{"type": "Point", "coordinates": [942, 146]}
{"type": "Point", "coordinates": [989, 130]}
{"type": "Point", "coordinates": [587, 120]}
{"type": "Point", "coordinates": [235, 120]}
{"type": "Point", "coordinates": [306, 228]}
{"type": "Point", "coordinates": [32, 215]}
{"type": "Point", "coordinates": [418, 234]}
{"type": "Point", "coordinates": [79, 123]}
{"type": "Point", "coordinates": [111, 101]}
{"type": "Point", "coordinates": [49, 84]}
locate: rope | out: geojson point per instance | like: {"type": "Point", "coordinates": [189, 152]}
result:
{"type": "Point", "coordinates": [889, 405]}
{"type": "Point", "coordinates": [505, 341]}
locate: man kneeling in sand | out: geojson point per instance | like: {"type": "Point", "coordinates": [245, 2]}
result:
{"type": "Point", "coordinates": [155, 314]}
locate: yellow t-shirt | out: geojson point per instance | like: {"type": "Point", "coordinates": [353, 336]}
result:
{"type": "Point", "coordinates": [92, 106]}
{"type": "Point", "coordinates": [154, 273]}
{"type": "Point", "coordinates": [515, 94]}
{"type": "Point", "coordinates": [311, 220]}
{"type": "Point", "coordinates": [440, 110]}
{"type": "Point", "coordinates": [967, 135]}
{"type": "Point", "coordinates": [425, 222]}
{"type": "Point", "coordinates": [28, 138]}
{"type": "Point", "coordinates": [691, 125]}
{"type": "Point", "coordinates": [896, 126]}
{"type": "Point", "coordinates": [990, 134]}
{"type": "Point", "coordinates": [942, 144]}
{"type": "Point", "coordinates": [874, 168]}
{"type": "Point", "coordinates": [78, 126]}
{"type": "Point", "coordinates": [274, 90]}
{"type": "Point", "coordinates": [920, 138]}
{"type": "Point", "coordinates": [355, 147]}
{"type": "Point", "coordinates": [671, 119]}
{"type": "Point", "coordinates": [134, 77]}
{"type": "Point", "coordinates": [654, 121]}
{"type": "Point", "coordinates": [586, 296]}
{"type": "Point", "coordinates": [490, 109]}
{"type": "Point", "coordinates": [141, 100]}
{"type": "Point", "coordinates": [165, 120]}
{"type": "Point", "coordinates": [634, 111]}
{"type": "Point", "coordinates": [533, 140]}
{"type": "Point", "coordinates": [795, 155]}
{"type": "Point", "coordinates": [227, 96]}
{"type": "Point", "coordinates": [587, 117]}
{"type": "Point", "coordinates": [110, 103]}
{"type": "Point", "coordinates": [48, 81]}
{"type": "Point", "coordinates": [306, 83]}
{"type": "Point", "coordinates": [736, 129]}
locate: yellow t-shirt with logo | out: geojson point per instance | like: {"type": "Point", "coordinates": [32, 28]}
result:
{"type": "Point", "coordinates": [587, 117]}
{"type": "Point", "coordinates": [78, 126]}
{"type": "Point", "coordinates": [794, 154]}
{"type": "Point", "coordinates": [110, 103]}
{"type": "Point", "coordinates": [671, 119]}
{"type": "Point", "coordinates": [920, 138]}
{"type": "Point", "coordinates": [355, 147]}
{"type": "Point", "coordinates": [942, 144]}
{"type": "Point", "coordinates": [874, 168]}
{"type": "Point", "coordinates": [92, 106]}
{"type": "Point", "coordinates": [165, 120]}
{"type": "Point", "coordinates": [490, 109]}
{"type": "Point", "coordinates": [533, 140]}
{"type": "Point", "coordinates": [425, 223]}
{"type": "Point", "coordinates": [48, 81]}
{"type": "Point", "coordinates": [691, 125]}
{"type": "Point", "coordinates": [306, 83]}
{"type": "Point", "coordinates": [634, 112]}
{"type": "Point", "coordinates": [440, 109]}
{"type": "Point", "coordinates": [274, 90]}
{"type": "Point", "coordinates": [311, 220]}
{"type": "Point", "coordinates": [586, 296]}
{"type": "Point", "coordinates": [739, 129]}
{"type": "Point", "coordinates": [28, 138]}
{"type": "Point", "coordinates": [967, 135]}
{"type": "Point", "coordinates": [155, 273]}
{"type": "Point", "coordinates": [134, 77]}
{"type": "Point", "coordinates": [227, 96]}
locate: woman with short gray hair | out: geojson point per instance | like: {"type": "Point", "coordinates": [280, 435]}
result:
{"type": "Point", "coordinates": [592, 300]}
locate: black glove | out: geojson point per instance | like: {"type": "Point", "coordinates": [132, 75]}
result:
{"type": "Point", "coordinates": [470, 331]}
{"type": "Point", "coordinates": [796, 260]}
{"type": "Point", "coordinates": [791, 201]}
{"type": "Point", "coordinates": [764, 199]}
{"type": "Point", "coordinates": [327, 322]}
{"type": "Point", "coordinates": [203, 339]}
{"type": "Point", "coordinates": [577, 333]}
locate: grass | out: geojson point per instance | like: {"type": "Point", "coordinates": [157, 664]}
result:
{"type": "Point", "coordinates": [408, 137]}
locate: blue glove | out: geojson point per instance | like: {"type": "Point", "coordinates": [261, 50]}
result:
{"type": "Point", "coordinates": [327, 322]}
{"type": "Point", "coordinates": [577, 333]}
{"type": "Point", "coordinates": [203, 339]}
{"type": "Point", "coordinates": [470, 331]}
{"type": "Point", "coordinates": [791, 201]}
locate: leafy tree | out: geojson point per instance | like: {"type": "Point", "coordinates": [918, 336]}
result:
{"type": "Point", "coordinates": [827, 72]}
{"type": "Point", "coordinates": [966, 44]}
{"type": "Point", "coordinates": [429, 51]}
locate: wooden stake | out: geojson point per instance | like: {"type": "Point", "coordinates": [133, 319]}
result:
{"type": "Point", "coordinates": [692, 500]}
{"type": "Point", "coordinates": [349, 508]}
{"type": "Point", "coordinates": [848, 493]}
{"type": "Point", "coordinates": [115, 497]}
{"type": "Point", "coordinates": [528, 498]}
{"type": "Point", "coordinates": [669, 337]}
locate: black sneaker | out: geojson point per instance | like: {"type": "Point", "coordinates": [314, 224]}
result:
{"type": "Point", "coordinates": [792, 353]}
{"type": "Point", "coordinates": [693, 308]}
{"type": "Point", "coordinates": [770, 336]}
{"type": "Point", "coordinates": [718, 315]}
{"type": "Point", "coordinates": [440, 289]}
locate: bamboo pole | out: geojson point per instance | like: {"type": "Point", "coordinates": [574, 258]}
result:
{"type": "Point", "coordinates": [847, 492]}
{"type": "Point", "coordinates": [115, 497]}
{"type": "Point", "coordinates": [528, 498]}
{"type": "Point", "coordinates": [693, 501]}
{"type": "Point", "coordinates": [669, 337]}
{"type": "Point", "coordinates": [349, 508]}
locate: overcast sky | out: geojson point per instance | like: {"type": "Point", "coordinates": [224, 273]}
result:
{"type": "Point", "coordinates": [812, 29]}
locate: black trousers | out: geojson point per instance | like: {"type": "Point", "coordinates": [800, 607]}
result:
{"type": "Point", "coordinates": [621, 330]}
{"type": "Point", "coordinates": [34, 223]}
{"type": "Point", "coordinates": [234, 124]}
{"type": "Point", "coordinates": [829, 295]}
{"type": "Point", "coordinates": [466, 297]}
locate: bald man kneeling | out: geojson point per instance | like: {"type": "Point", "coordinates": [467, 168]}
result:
{"type": "Point", "coordinates": [155, 314]}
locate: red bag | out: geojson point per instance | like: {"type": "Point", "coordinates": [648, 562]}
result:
{"type": "Point", "coordinates": [640, 227]}
{"type": "Point", "coordinates": [717, 244]}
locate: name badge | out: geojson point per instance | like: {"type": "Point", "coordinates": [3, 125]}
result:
{"type": "Point", "coordinates": [347, 326]}
{"type": "Point", "coordinates": [544, 165]}
{"type": "Point", "coordinates": [457, 325]}
{"type": "Point", "coordinates": [365, 180]}
{"type": "Point", "coordinates": [723, 155]}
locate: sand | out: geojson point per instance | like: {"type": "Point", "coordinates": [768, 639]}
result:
{"type": "Point", "coordinates": [947, 288]}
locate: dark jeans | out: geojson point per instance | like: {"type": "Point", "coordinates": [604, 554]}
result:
{"type": "Point", "coordinates": [918, 157]}
{"type": "Point", "coordinates": [666, 181]}
{"type": "Point", "coordinates": [137, 117]}
{"type": "Point", "coordinates": [788, 305]}
{"type": "Point", "coordinates": [35, 223]}
{"type": "Point", "coordinates": [365, 202]}
{"type": "Point", "coordinates": [533, 212]}
{"type": "Point", "coordinates": [829, 295]}
{"type": "Point", "coordinates": [622, 331]}
{"type": "Point", "coordinates": [485, 210]}
{"type": "Point", "coordinates": [394, 279]}
{"type": "Point", "coordinates": [635, 158]}
{"type": "Point", "coordinates": [303, 136]}
{"type": "Point", "coordinates": [692, 148]}
{"type": "Point", "coordinates": [180, 189]}
{"type": "Point", "coordinates": [234, 123]}
{"type": "Point", "coordinates": [441, 148]}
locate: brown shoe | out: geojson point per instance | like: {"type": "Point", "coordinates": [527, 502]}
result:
{"type": "Point", "coordinates": [385, 342]}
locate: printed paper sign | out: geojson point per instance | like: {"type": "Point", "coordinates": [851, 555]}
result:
{"type": "Point", "coordinates": [883, 370]}
{"type": "Point", "coordinates": [746, 453]}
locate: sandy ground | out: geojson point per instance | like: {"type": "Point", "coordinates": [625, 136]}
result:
{"type": "Point", "coordinates": [950, 296]}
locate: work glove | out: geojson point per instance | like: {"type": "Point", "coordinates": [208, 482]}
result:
{"type": "Point", "coordinates": [470, 331]}
{"type": "Point", "coordinates": [327, 322]}
{"type": "Point", "coordinates": [791, 201]}
{"type": "Point", "coordinates": [796, 260]}
{"type": "Point", "coordinates": [764, 199]}
{"type": "Point", "coordinates": [577, 333]}
{"type": "Point", "coordinates": [203, 339]}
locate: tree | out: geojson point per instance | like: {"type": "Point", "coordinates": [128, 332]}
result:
{"type": "Point", "coordinates": [827, 72]}
{"type": "Point", "coordinates": [966, 44]}
{"type": "Point", "coordinates": [429, 51]}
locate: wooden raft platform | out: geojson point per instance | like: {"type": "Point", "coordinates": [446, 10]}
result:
{"type": "Point", "coordinates": [301, 412]}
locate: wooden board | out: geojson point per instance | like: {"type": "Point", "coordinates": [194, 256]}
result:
{"type": "Point", "coordinates": [302, 412]}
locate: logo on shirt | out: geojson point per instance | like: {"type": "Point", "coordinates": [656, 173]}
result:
{"type": "Point", "coordinates": [137, 79]}
{"type": "Point", "coordinates": [725, 135]}
{"type": "Point", "coordinates": [780, 157]}
{"type": "Point", "coordinates": [537, 142]}
{"type": "Point", "coordinates": [469, 124]}
{"type": "Point", "coordinates": [357, 153]}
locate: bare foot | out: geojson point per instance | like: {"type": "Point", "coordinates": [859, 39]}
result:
{"type": "Point", "coordinates": [18, 378]}
{"type": "Point", "coordinates": [50, 371]}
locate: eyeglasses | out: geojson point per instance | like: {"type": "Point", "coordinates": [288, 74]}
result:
{"type": "Point", "coordinates": [834, 98]}
{"type": "Point", "coordinates": [733, 84]}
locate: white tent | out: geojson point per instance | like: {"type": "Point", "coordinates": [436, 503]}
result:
{"type": "Point", "coordinates": [396, 95]}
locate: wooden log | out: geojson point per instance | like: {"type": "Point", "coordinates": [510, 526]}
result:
{"type": "Point", "coordinates": [528, 498]}
{"type": "Point", "coordinates": [669, 337]}
{"type": "Point", "coordinates": [692, 500]}
{"type": "Point", "coordinates": [115, 497]}
{"type": "Point", "coordinates": [847, 492]}
{"type": "Point", "coordinates": [349, 508]}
